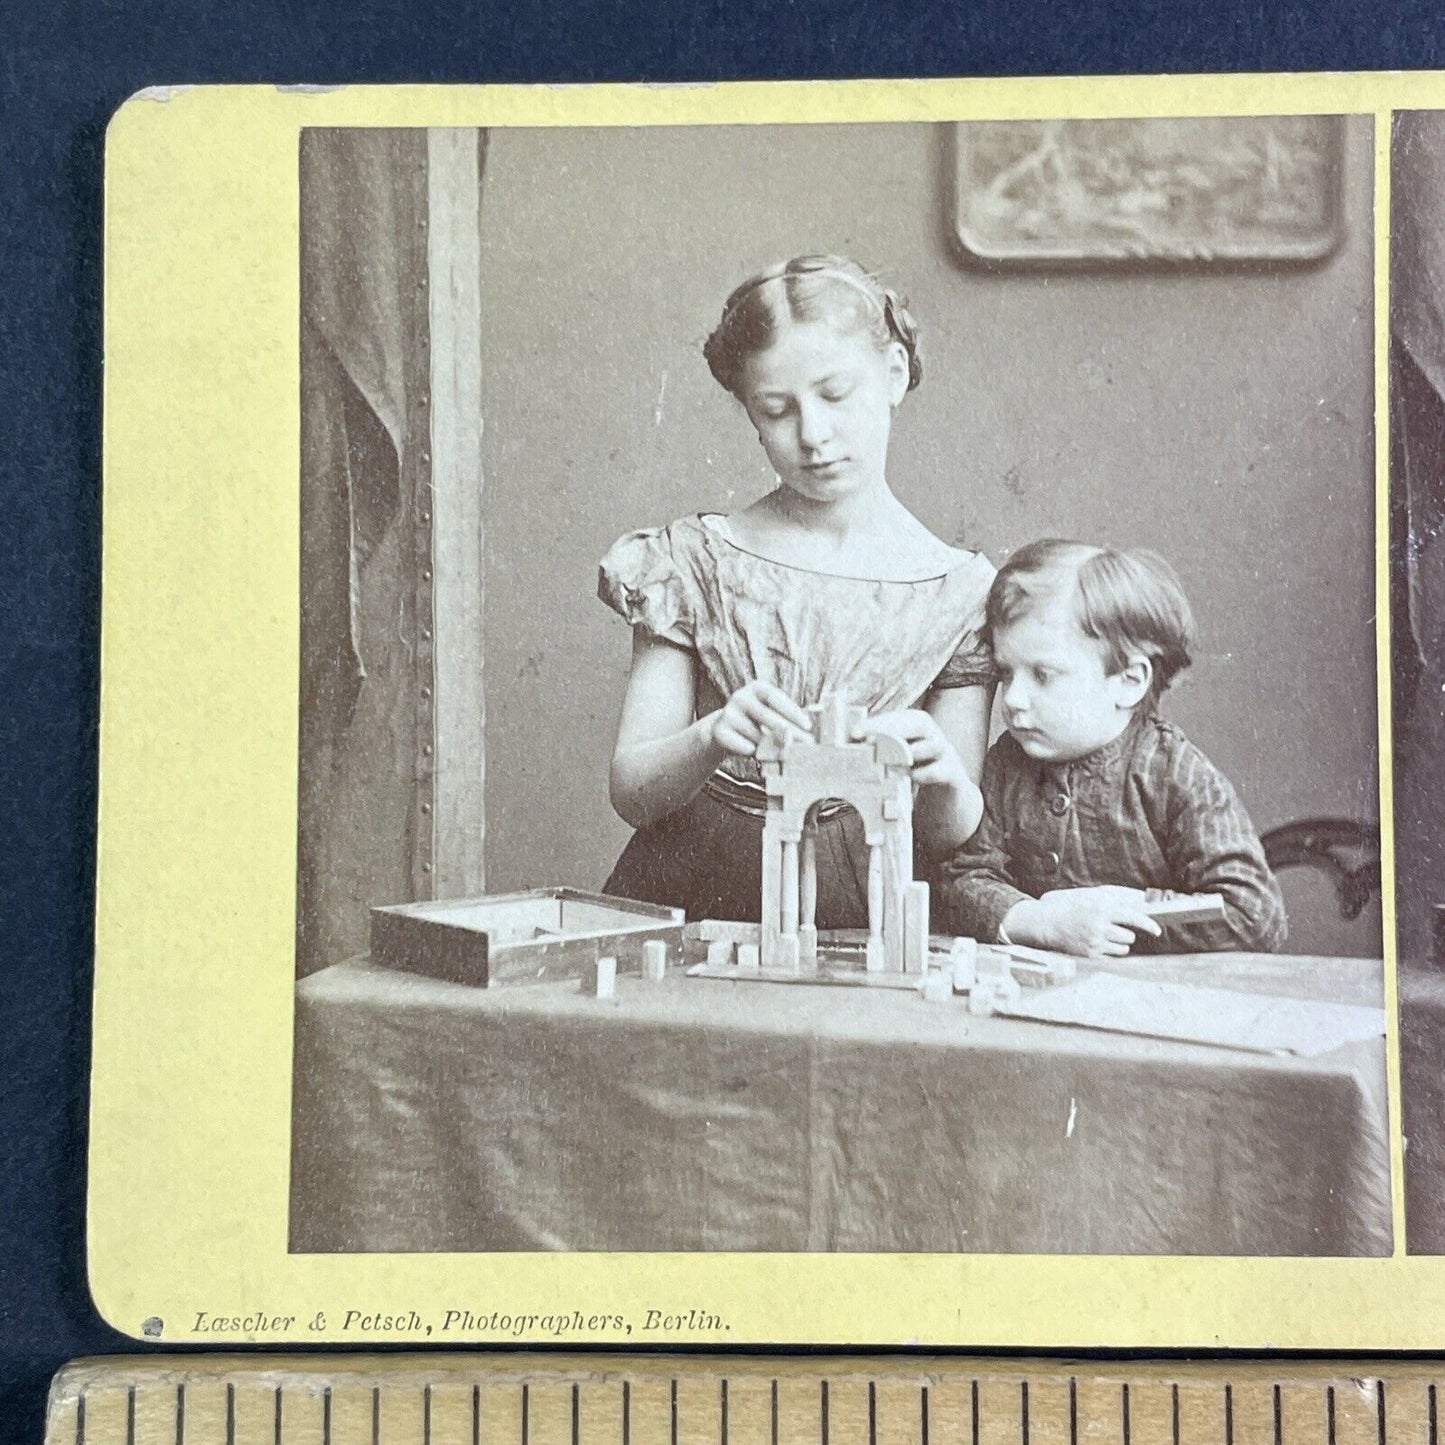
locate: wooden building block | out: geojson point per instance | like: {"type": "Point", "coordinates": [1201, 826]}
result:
{"type": "Point", "coordinates": [748, 956]}
{"type": "Point", "coordinates": [938, 986]}
{"type": "Point", "coordinates": [1193, 908]}
{"type": "Point", "coordinates": [963, 958]}
{"type": "Point", "coordinates": [607, 978]}
{"type": "Point", "coordinates": [915, 928]}
{"type": "Point", "coordinates": [654, 960]}
{"type": "Point", "coordinates": [714, 930]}
{"type": "Point", "coordinates": [720, 952]}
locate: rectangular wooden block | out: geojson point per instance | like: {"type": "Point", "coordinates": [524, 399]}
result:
{"type": "Point", "coordinates": [1196, 908]}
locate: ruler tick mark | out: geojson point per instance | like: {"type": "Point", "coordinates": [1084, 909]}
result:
{"type": "Point", "coordinates": [181, 1414]}
{"type": "Point", "coordinates": [1174, 1413]}
{"type": "Point", "coordinates": [476, 1415]}
{"type": "Point", "coordinates": [276, 1431]}
{"type": "Point", "coordinates": [80, 1416]}
{"type": "Point", "coordinates": [576, 1414]}
{"type": "Point", "coordinates": [1124, 1411]}
{"type": "Point", "coordinates": [527, 1414]}
{"type": "Point", "coordinates": [626, 1412]}
{"type": "Point", "coordinates": [376, 1415]}
{"type": "Point", "coordinates": [426, 1415]}
{"type": "Point", "coordinates": [1380, 1411]}
{"type": "Point", "coordinates": [325, 1419]}
{"type": "Point", "coordinates": [823, 1407]}
{"type": "Point", "coordinates": [973, 1410]}
{"type": "Point", "coordinates": [1228, 1414]}
{"type": "Point", "coordinates": [872, 1412]}
{"type": "Point", "coordinates": [774, 1394]}
{"type": "Point", "coordinates": [1278, 1417]}
{"type": "Point", "coordinates": [130, 1415]}
{"type": "Point", "coordinates": [1024, 1411]}
{"type": "Point", "coordinates": [723, 1409]}
{"type": "Point", "coordinates": [1330, 1414]}
{"type": "Point", "coordinates": [1073, 1411]}
{"type": "Point", "coordinates": [673, 1397]}
{"type": "Point", "coordinates": [923, 1417]}
{"type": "Point", "coordinates": [230, 1412]}
{"type": "Point", "coordinates": [1434, 1419]}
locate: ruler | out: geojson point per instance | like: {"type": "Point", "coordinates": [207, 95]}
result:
{"type": "Point", "coordinates": [434, 1399]}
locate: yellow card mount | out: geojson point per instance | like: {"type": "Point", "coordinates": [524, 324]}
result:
{"type": "Point", "coordinates": [412, 1399]}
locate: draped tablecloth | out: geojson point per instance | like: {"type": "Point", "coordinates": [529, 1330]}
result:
{"type": "Point", "coordinates": [695, 1114]}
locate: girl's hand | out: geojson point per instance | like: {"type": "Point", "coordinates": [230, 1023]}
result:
{"type": "Point", "coordinates": [936, 762]}
{"type": "Point", "coordinates": [1086, 922]}
{"type": "Point", "coordinates": [738, 726]}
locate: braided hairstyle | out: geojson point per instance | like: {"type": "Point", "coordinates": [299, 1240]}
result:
{"type": "Point", "coordinates": [808, 288]}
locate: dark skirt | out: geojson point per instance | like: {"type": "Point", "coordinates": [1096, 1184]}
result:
{"type": "Point", "coordinates": [706, 858]}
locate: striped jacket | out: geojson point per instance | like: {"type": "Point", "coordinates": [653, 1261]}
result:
{"type": "Point", "coordinates": [1148, 810]}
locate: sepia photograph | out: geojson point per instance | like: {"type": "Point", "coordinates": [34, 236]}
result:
{"type": "Point", "coordinates": [838, 687]}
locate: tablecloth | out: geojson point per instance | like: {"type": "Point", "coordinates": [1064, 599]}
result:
{"type": "Point", "coordinates": [695, 1114]}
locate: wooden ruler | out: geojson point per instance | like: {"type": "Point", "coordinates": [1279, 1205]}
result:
{"type": "Point", "coordinates": [416, 1399]}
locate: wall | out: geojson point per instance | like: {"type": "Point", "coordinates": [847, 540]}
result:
{"type": "Point", "coordinates": [1223, 418]}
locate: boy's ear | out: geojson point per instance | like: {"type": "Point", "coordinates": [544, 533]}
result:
{"type": "Point", "coordinates": [1134, 680]}
{"type": "Point", "coordinates": [897, 373]}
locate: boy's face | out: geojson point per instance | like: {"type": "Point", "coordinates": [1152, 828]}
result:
{"type": "Point", "coordinates": [1058, 701]}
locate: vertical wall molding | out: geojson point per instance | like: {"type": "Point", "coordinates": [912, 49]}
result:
{"type": "Point", "coordinates": [450, 797]}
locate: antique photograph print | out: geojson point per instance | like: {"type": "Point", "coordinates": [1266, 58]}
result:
{"type": "Point", "coordinates": [838, 701]}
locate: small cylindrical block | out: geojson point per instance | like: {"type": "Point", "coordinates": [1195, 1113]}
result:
{"type": "Point", "coordinates": [654, 960]}
{"type": "Point", "coordinates": [720, 952]}
{"type": "Point", "coordinates": [937, 986]}
{"type": "Point", "coordinates": [607, 977]}
{"type": "Point", "coordinates": [981, 997]}
{"type": "Point", "coordinates": [748, 957]}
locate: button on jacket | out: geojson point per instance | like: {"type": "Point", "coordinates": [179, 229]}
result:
{"type": "Point", "coordinates": [1147, 810]}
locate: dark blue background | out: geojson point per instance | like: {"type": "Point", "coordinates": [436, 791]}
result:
{"type": "Point", "coordinates": [64, 67]}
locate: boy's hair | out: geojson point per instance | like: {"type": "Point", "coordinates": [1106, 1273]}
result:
{"type": "Point", "coordinates": [808, 288]}
{"type": "Point", "coordinates": [1130, 601]}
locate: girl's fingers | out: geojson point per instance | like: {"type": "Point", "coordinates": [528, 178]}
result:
{"type": "Point", "coordinates": [1119, 935]}
{"type": "Point", "coordinates": [776, 700]}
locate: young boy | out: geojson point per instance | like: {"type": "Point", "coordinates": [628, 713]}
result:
{"type": "Point", "coordinates": [1093, 804]}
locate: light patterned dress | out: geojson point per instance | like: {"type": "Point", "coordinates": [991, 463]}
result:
{"type": "Point", "coordinates": [886, 644]}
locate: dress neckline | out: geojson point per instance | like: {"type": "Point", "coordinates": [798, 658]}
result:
{"type": "Point", "coordinates": [708, 521]}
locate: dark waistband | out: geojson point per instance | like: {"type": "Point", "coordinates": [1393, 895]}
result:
{"type": "Point", "coordinates": [745, 796]}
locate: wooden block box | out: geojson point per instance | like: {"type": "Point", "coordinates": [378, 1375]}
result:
{"type": "Point", "coordinates": [542, 934]}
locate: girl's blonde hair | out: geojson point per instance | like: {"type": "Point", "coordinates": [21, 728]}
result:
{"type": "Point", "coordinates": [808, 288]}
{"type": "Point", "coordinates": [1131, 602]}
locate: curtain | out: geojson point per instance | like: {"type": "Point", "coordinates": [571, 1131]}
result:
{"type": "Point", "coordinates": [1417, 515]}
{"type": "Point", "coordinates": [363, 427]}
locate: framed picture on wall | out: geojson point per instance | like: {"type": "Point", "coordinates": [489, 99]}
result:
{"type": "Point", "coordinates": [1182, 190]}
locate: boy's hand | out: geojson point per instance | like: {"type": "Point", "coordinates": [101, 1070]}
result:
{"type": "Point", "coordinates": [1086, 922]}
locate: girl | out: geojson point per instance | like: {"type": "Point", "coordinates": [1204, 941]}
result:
{"type": "Point", "coordinates": [827, 583]}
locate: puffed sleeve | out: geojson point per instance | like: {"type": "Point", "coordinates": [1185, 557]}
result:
{"type": "Point", "coordinates": [641, 581]}
{"type": "Point", "coordinates": [972, 662]}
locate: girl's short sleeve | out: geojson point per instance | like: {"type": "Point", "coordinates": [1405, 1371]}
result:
{"type": "Point", "coordinates": [640, 580]}
{"type": "Point", "coordinates": [972, 663]}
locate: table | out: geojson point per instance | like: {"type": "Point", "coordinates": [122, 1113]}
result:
{"type": "Point", "coordinates": [696, 1114]}
{"type": "Point", "coordinates": [1422, 1100]}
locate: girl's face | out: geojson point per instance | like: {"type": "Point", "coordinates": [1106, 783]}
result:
{"type": "Point", "coordinates": [822, 401]}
